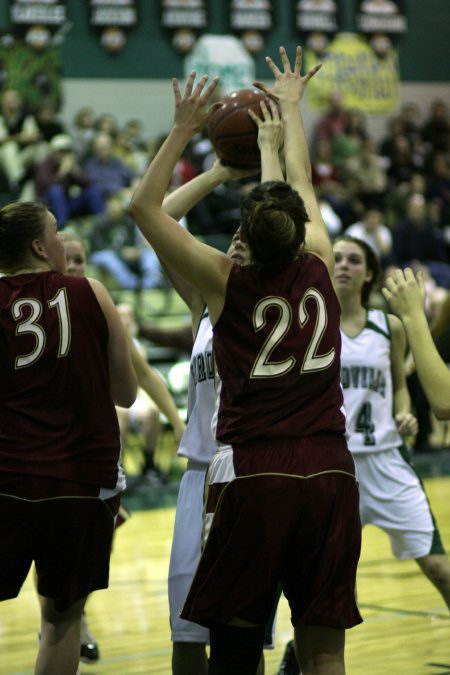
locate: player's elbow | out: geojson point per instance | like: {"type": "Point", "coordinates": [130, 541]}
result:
{"type": "Point", "coordinates": [124, 392]}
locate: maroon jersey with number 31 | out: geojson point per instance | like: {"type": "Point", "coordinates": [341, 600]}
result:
{"type": "Point", "coordinates": [57, 417]}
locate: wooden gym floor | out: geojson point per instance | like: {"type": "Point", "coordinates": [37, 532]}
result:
{"type": "Point", "coordinates": [406, 629]}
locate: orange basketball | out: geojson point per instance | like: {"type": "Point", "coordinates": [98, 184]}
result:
{"type": "Point", "coordinates": [233, 133]}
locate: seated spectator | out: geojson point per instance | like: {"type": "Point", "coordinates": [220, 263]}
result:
{"type": "Point", "coordinates": [328, 184]}
{"type": "Point", "coordinates": [107, 170]}
{"type": "Point", "coordinates": [416, 239]}
{"type": "Point", "coordinates": [83, 130]}
{"type": "Point", "coordinates": [396, 199]}
{"type": "Point", "coordinates": [401, 161]}
{"type": "Point", "coordinates": [19, 140]}
{"type": "Point", "coordinates": [106, 123]}
{"type": "Point", "coordinates": [334, 120]}
{"type": "Point", "coordinates": [325, 175]}
{"type": "Point", "coordinates": [347, 143]}
{"type": "Point", "coordinates": [372, 230]}
{"type": "Point", "coordinates": [436, 128]}
{"type": "Point", "coordinates": [438, 190]}
{"type": "Point", "coordinates": [64, 186]}
{"type": "Point", "coordinates": [395, 127]}
{"type": "Point", "coordinates": [365, 176]}
{"type": "Point", "coordinates": [132, 146]}
{"type": "Point", "coordinates": [118, 248]}
{"type": "Point", "coordinates": [410, 119]}
{"type": "Point", "coordinates": [46, 118]}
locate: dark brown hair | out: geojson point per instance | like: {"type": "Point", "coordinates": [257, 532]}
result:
{"type": "Point", "coordinates": [273, 223]}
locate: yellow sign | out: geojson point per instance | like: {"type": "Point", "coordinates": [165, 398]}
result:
{"type": "Point", "coordinates": [352, 68]}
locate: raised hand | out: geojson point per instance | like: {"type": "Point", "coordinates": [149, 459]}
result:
{"type": "Point", "coordinates": [191, 108]}
{"type": "Point", "coordinates": [405, 293]}
{"type": "Point", "coordinates": [289, 84]}
{"type": "Point", "coordinates": [270, 127]}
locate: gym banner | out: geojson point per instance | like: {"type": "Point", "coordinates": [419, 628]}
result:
{"type": "Point", "coordinates": [112, 18]}
{"type": "Point", "coordinates": [351, 67]}
{"type": "Point", "coordinates": [36, 23]}
{"type": "Point", "coordinates": [186, 20]}
{"type": "Point", "coordinates": [251, 20]}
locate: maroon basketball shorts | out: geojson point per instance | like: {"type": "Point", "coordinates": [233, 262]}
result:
{"type": "Point", "coordinates": [69, 539]}
{"type": "Point", "coordinates": [280, 513]}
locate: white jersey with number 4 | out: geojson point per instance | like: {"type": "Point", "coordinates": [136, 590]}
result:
{"type": "Point", "coordinates": [367, 386]}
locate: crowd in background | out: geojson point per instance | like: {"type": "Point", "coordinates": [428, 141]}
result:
{"type": "Point", "coordinates": [394, 193]}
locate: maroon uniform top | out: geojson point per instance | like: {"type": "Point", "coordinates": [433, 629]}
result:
{"type": "Point", "coordinates": [57, 417]}
{"type": "Point", "coordinates": [277, 349]}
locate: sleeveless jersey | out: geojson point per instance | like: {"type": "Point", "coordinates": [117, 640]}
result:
{"type": "Point", "coordinates": [57, 417]}
{"type": "Point", "coordinates": [367, 384]}
{"type": "Point", "coordinates": [277, 350]}
{"type": "Point", "coordinates": [198, 443]}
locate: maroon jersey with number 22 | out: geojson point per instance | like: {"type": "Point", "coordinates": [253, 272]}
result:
{"type": "Point", "coordinates": [277, 349]}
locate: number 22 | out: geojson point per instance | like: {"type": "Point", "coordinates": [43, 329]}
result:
{"type": "Point", "coordinates": [263, 366]}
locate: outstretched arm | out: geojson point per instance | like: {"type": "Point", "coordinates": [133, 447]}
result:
{"type": "Point", "coordinates": [406, 296]}
{"type": "Point", "coordinates": [205, 268]}
{"type": "Point", "coordinates": [288, 90]}
{"type": "Point", "coordinates": [152, 383]}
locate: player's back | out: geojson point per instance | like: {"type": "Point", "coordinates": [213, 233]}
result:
{"type": "Point", "coordinates": [57, 417]}
{"type": "Point", "coordinates": [277, 349]}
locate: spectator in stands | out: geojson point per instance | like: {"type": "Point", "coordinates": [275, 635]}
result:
{"type": "Point", "coordinates": [329, 186]}
{"type": "Point", "coordinates": [402, 162]}
{"type": "Point", "coordinates": [347, 143]}
{"type": "Point", "coordinates": [106, 123]}
{"type": "Point", "coordinates": [107, 170]}
{"type": "Point", "coordinates": [410, 118]}
{"type": "Point", "coordinates": [438, 189]}
{"type": "Point", "coordinates": [83, 130]}
{"type": "Point", "coordinates": [395, 127]}
{"type": "Point", "coordinates": [436, 128]}
{"type": "Point", "coordinates": [334, 120]}
{"type": "Point", "coordinates": [366, 176]}
{"type": "Point", "coordinates": [396, 199]}
{"type": "Point", "coordinates": [47, 121]}
{"type": "Point", "coordinates": [19, 139]}
{"type": "Point", "coordinates": [62, 184]}
{"type": "Point", "coordinates": [132, 147]}
{"type": "Point", "coordinates": [372, 230]}
{"type": "Point", "coordinates": [118, 249]}
{"type": "Point", "coordinates": [417, 240]}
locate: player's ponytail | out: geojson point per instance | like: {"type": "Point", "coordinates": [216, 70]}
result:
{"type": "Point", "coordinates": [273, 224]}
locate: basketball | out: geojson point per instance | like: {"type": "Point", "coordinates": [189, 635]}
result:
{"type": "Point", "coordinates": [233, 134]}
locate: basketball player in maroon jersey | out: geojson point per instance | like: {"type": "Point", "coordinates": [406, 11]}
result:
{"type": "Point", "coordinates": [64, 364]}
{"type": "Point", "coordinates": [282, 500]}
